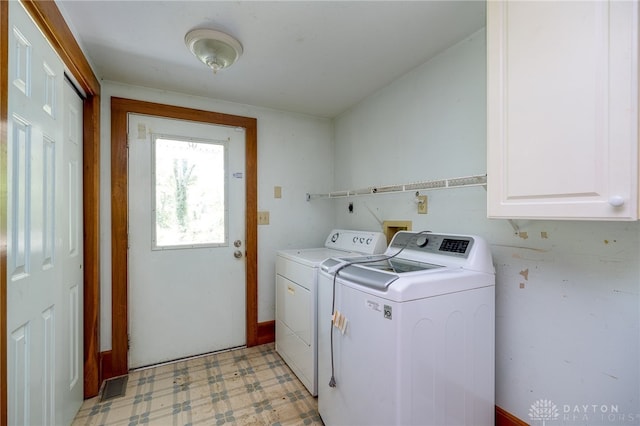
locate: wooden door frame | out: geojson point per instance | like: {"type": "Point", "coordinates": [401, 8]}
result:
{"type": "Point", "coordinates": [51, 22]}
{"type": "Point", "coordinates": [116, 363]}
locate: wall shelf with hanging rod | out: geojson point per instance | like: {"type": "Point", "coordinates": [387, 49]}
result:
{"type": "Point", "coordinates": [459, 182]}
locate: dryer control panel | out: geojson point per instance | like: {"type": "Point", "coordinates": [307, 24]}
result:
{"type": "Point", "coordinates": [365, 242]}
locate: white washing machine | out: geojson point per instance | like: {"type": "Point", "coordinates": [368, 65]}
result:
{"type": "Point", "coordinates": [296, 297]}
{"type": "Point", "coordinates": [412, 336]}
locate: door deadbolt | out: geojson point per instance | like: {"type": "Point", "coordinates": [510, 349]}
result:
{"type": "Point", "coordinates": [237, 254]}
{"type": "Point", "coordinates": [237, 243]}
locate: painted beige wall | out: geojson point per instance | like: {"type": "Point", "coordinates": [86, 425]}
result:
{"type": "Point", "coordinates": [567, 308]}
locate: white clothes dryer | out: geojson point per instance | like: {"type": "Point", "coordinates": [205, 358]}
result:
{"type": "Point", "coordinates": [412, 336]}
{"type": "Point", "coordinates": [296, 297]}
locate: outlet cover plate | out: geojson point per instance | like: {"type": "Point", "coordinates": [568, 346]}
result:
{"type": "Point", "coordinates": [422, 204]}
{"type": "Point", "coordinates": [263, 218]}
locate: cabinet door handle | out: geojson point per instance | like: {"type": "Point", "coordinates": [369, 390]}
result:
{"type": "Point", "coordinates": [616, 201]}
{"type": "Point", "coordinates": [291, 290]}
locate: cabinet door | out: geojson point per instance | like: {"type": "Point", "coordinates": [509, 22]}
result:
{"type": "Point", "coordinates": [562, 109]}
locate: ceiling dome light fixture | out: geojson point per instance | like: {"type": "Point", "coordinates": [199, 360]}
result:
{"type": "Point", "coordinates": [215, 49]}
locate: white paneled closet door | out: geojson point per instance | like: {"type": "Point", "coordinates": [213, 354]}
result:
{"type": "Point", "coordinates": [69, 363]}
{"type": "Point", "coordinates": [44, 300]}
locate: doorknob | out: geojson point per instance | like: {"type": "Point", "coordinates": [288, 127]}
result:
{"type": "Point", "coordinates": [237, 243]}
{"type": "Point", "coordinates": [237, 254]}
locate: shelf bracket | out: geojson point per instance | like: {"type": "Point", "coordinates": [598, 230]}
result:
{"type": "Point", "coordinates": [514, 225]}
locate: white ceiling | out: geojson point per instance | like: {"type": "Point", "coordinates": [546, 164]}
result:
{"type": "Point", "coordinates": [312, 57]}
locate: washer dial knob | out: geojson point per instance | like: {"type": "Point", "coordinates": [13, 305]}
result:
{"type": "Point", "coordinates": [422, 241]}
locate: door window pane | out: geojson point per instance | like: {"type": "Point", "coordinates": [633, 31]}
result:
{"type": "Point", "coordinates": [190, 192]}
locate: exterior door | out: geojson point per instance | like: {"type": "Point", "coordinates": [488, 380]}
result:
{"type": "Point", "coordinates": [186, 239]}
{"type": "Point", "coordinates": [44, 223]}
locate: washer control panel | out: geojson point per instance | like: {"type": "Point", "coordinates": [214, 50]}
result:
{"type": "Point", "coordinates": [450, 245]}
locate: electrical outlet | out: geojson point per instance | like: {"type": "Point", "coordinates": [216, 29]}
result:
{"type": "Point", "coordinates": [422, 204]}
{"type": "Point", "coordinates": [263, 218]}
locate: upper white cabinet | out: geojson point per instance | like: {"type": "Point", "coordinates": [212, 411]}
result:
{"type": "Point", "coordinates": [562, 109]}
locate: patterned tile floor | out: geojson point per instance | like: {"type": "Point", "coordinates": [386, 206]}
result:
{"type": "Point", "coordinates": [251, 386]}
